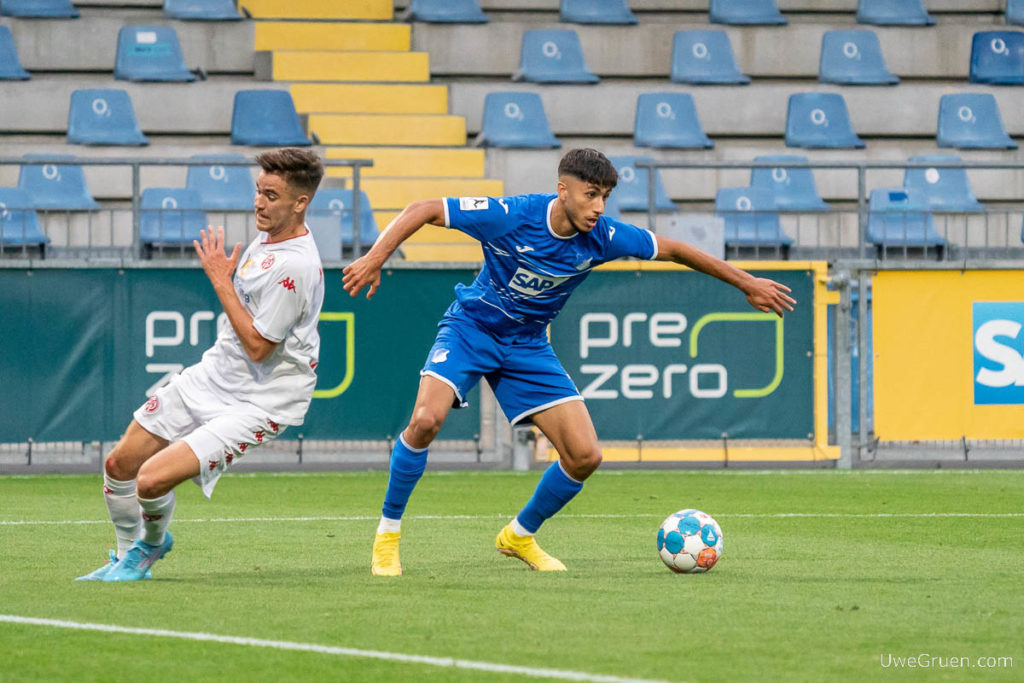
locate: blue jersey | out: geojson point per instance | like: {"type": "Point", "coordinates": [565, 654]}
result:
{"type": "Point", "coordinates": [529, 271]}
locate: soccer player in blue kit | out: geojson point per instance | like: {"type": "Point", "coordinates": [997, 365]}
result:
{"type": "Point", "coordinates": [537, 249]}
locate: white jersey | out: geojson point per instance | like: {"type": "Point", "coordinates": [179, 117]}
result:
{"type": "Point", "coordinates": [281, 284]}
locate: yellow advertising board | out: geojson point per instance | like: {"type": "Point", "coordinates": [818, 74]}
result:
{"type": "Point", "coordinates": [948, 356]}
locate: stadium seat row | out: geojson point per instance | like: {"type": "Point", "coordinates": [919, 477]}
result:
{"type": "Point", "coordinates": [814, 120]}
{"type": "Point", "coordinates": [197, 10]}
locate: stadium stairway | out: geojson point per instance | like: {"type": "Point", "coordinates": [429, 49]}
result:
{"type": "Point", "coordinates": [366, 94]}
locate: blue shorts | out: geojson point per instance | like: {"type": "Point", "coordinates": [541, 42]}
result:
{"type": "Point", "coordinates": [524, 374]}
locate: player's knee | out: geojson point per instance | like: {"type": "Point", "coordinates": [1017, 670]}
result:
{"type": "Point", "coordinates": [150, 485]}
{"type": "Point", "coordinates": [118, 465]}
{"type": "Point", "coordinates": [424, 426]}
{"type": "Point", "coordinates": [583, 462]}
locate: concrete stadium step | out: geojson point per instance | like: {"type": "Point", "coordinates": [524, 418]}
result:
{"type": "Point", "coordinates": [319, 9]}
{"type": "Point", "coordinates": [323, 65]}
{"type": "Point", "coordinates": [366, 98]}
{"type": "Point", "coordinates": [386, 129]}
{"type": "Point", "coordinates": [397, 193]}
{"type": "Point", "coordinates": [324, 35]}
{"type": "Point", "coordinates": [417, 162]}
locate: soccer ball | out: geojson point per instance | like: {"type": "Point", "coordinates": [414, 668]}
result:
{"type": "Point", "coordinates": [689, 542]}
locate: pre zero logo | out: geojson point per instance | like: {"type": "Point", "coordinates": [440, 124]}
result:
{"type": "Point", "coordinates": [998, 352]}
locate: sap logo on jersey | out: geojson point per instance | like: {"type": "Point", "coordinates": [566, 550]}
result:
{"type": "Point", "coordinates": [998, 353]}
{"type": "Point", "coordinates": [533, 284]}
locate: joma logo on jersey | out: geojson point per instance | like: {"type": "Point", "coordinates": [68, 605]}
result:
{"type": "Point", "coordinates": [533, 284]}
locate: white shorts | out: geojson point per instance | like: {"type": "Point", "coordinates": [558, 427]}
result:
{"type": "Point", "coordinates": [217, 432]}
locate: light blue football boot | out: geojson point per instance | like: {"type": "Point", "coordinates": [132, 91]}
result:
{"type": "Point", "coordinates": [98, 574]}
{"type": "Point", "coordinates": [135, 564]}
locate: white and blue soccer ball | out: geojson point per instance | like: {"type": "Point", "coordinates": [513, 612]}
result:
{"type": "Point", "coordinates": [690, 542]}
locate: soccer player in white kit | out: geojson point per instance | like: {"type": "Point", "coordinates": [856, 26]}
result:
{"type": "Point", "coordinates": [256, 379]}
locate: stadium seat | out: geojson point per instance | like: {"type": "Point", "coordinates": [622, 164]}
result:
{"type": "Point", "coordinates": [221, 187]}
{"type": "Point", "coordinates": [943, 189]}
{"type": "Point", "coordinates": [972, 121]}
{"type": "Point", "coordinates": [330, 220]}
{"type": "Point", "coordinates": [997, 57]}
{"type": "Point", "coordinates": [150, 53]}
{"type": "Point", "coordinates": [853, 58]}
{"type": "Point", "coordinates": [553, 56]}
{"type": "Point", "coordinates": [750, 218]}
{"type": "Point", "coordinates": [596, 12]}
{"type": "Point", "coordinates": [103, 117]}
{"type": "Point", "coordinates": [266, 118]}
{"type": "Point", "coordinates": [815, 119]}
{"type": "Point", "coordinates": [893, 13]}
{"type": "Point", "coordinates": [447, 12]}
{"type": "Point", "coordinates": [170, 217]}
{"type": "Point", "coordinates": [38, 9]}
{"type": "Point", "coordinates": [515, 119]}
{"type": "Point", "coordinates": [202, 10]}
{"type": "Point", "coordinates": [19, 224]}
{"type": "Point", "coordinates": [704, 57]}
{"type": "Point", "coordinates": [790, 183]}
{"type": "Point", "coordinates": [631, 191]}
{"type": "Point", "coordinates": [745, 12]}
{"type": "Point", "coordinates": [899, 217]}
{"type": "Point", "coordinates": [668, 119]}
{"type": "Point", "coordinates": [1015, 12]}
{"type": "Point", "coordinates": [10, 66]}
{"type": "Point", "coordinates": [53, 184]}
{"type": "Point", "coordinates": [612, 208]}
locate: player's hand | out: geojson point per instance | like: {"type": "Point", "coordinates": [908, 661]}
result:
{"type": "Point", "coordinates": [364, 271]}
{"type": "Point", "coordinates": [210, 248]}
{"type": "Point", "coordinates": [768, 295]}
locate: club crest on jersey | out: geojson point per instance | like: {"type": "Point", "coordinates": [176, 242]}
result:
{"type": "Point", "coordinates": [267, 262]}
{"type": "Point", "coordinates": [473, 203]}
{"type": "Point", "coordinates": [531, 283]}
{"type": "Point", "coordinates": [152, 405]}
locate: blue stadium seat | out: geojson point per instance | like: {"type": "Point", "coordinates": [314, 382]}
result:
{"type": "Point", "coordinates": [103, 117]}
{"type": "Point", "coordinates": [1015, 12]}
{"type": "Point", "coordinates": [54, 184]}
{"type": "Point", "coordinates": [705, 57]}
{"type": "Point", "coordinates": [899, 217]}
{"type": "Point", "coordinates": [596, 12]}
{"type": "Point", "coordinates": [38, 9]}
{"type": "Point", "coordinates": [893, 13]}
{"type": "Point", "coordinates": [447, 12]}
{"type": "Point", "coordinates": [943, 189]}
{"type": "Point", "coordinates": [815, 119]}
{"type": "Point", "coordinates": [553, 56]}
{"type": "Point", "coordinates": [515, 119]}
{"type": "Point", "coordinates": [631, 191]}
{"type": "Point", "coordinates": [972, 121]}
{"type": "Point", "coordinates": [612, 208]}
{"type": "Point", "coordinates": [266, 118]}
{"type": "Point", "coordinates": [745, 12]}
{"type": "Point", "coordinates": [997, 57]}
{"type": "Point", "coordinates": [10, 66]}
{"type": "Point", "coordinates": [750, 218]}
{"type": "Point", "coordinates": [150, 53]}
{"type": "Point", "coordinates": [19, 224]}
{"type": "Point", "coordinates": [668, 119]}
{"type": "Point", "coordinates": [221, 187]}
{"type": "Point", "coordinates": [790, 183]}
{"type": "Point", "coordinates": [853, 58]}
{"type": "Point", "coordinates": [170, 217]}
{"type": "Point", "coordinates": [202, 10]}
{"type": "Point", "coordinates": [330, 220]}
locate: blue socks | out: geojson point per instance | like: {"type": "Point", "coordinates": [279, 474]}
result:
{"type": "Point", "coordinates": [556, 488]}
{"type": "Point", "coordinates": [407, 465]}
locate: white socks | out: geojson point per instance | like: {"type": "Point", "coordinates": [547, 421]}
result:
{"type": "Point", "coordinates": [519, 529]}
{"type": "Point", "coordinates": [156, 516]}
{"type": "Point", "coordinates": [123, 506]}
{"type": "Point", "coordinates": [389, 526]}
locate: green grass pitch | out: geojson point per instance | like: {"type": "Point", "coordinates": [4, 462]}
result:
{"type": "Point", "coordinates": [825, 576]}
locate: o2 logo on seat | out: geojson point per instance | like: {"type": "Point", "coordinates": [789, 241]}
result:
{"type": "Point", "coordinates": [998, 353]}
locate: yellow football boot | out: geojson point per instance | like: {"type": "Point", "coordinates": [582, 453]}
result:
{"type": "Point", "coordinates": [526, 549]}
{"type": "Point", "coordinates": [385, 555]}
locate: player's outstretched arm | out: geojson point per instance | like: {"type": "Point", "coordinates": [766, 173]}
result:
{"type": "Point", "coordinates": [365, 270]}
{"type": "Point", "coordinates": [763, 294]}
{"type": "Point", "coordinates": [220, 268]}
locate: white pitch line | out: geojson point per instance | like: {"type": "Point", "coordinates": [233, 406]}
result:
{"type": "Point", "coordinates": [374, 518]}
{"type": "Point", "coordinates": [446, 662]}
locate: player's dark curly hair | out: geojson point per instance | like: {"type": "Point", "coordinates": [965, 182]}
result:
{"type": "Point", "coordinates": [590, 166]}
{"type": "Point", "coordinates": [301, 168]}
